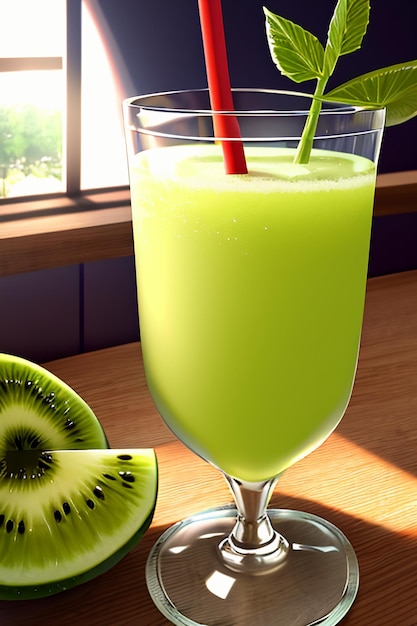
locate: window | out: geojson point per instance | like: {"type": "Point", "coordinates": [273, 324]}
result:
{"type": "Point", "coordinates": [54, 70]}
{"type": "Point", "coordinates": [32, 97]}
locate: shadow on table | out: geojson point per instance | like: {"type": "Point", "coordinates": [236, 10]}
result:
{"type": "Point", "coordinates": [388, 429]}
{"type": "Point", "coordinates": [381, 416]}
{"type": "Point", "coordinates": [120, 598]}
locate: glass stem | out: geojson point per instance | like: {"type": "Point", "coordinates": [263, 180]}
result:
{"type": "Point", "coordinates": [253, 546]}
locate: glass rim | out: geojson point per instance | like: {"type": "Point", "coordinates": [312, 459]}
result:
{"type": "Point", "coordinates": [154, 109]}
{"type": "Point", "coordinates": [335, 108]}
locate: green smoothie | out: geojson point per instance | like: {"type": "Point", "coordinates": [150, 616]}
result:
{"type": "Point", "coordinates": [251, 293]}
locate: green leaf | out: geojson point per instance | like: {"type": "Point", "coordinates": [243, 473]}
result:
{"type": "Point", "coordinates": [393, 87]}
{"type": "Point", "coordinates": [346, 31]}
{"type": "Point", "coordinates": [297, 53]}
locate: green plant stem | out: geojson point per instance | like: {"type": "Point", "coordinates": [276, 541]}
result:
{"type": "Point", "coordinates": [305, 145]}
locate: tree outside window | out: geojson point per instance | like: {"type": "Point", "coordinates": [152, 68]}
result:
{"type": "Point", "coordinates": [30, 150]}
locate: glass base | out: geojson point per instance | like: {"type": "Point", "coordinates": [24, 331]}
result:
{"type": "Point", "coordinates": [316, 582]}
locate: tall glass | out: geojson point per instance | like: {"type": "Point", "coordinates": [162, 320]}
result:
{"type": "Point", "coordinates": [251, 292]}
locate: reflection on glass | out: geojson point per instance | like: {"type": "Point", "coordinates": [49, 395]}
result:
{"type": "Point", "coordinates": [220, 584]}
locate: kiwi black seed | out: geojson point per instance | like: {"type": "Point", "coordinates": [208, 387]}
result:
{"type": "Point", "coordinates": [38, 411]}
{"type": "Point", "coordinates": [65, 513]}
{"type": "Point", "coordinates": [81, 521]}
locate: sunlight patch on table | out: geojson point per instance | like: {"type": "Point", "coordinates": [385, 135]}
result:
{"type": "Point", "coordinates": [345, 476]}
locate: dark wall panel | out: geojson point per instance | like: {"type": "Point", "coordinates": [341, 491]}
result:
{"type": "Point", "coordinates": [393, 244]}
{"type": "Point", "coordinates": [40, 314]}
{"type": "Point", "coordinates": [110, 304]}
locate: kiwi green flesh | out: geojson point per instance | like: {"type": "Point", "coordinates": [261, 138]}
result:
{"type": "Point", "coordinates": [38, 411]}
{"type": "Point", "coordinates": [72, 520]}
{"type": "Point", "coordinates": [57, 586]}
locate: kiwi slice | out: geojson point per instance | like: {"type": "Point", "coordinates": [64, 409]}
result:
{"type": "Point", "coordinates": [38, 411]}
{"type": "Point", "coordinates": [67, 516]}
{"type": "Point", "coordinates": [70, 508]}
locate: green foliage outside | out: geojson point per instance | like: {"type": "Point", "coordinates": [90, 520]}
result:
{"type": "Point", "coordinates": [30, 145]}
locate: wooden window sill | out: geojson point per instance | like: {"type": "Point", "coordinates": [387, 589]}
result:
{"type": "Point", "coordinates": [60, 231]}
{"type": "Point", "coordinates": [64, 231]}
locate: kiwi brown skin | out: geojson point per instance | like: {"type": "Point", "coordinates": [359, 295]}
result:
{"type": "Point", "coordinates": [48, 589]}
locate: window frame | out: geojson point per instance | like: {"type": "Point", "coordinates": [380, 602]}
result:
{"type": "Point", "coordinates": [71, 64]}
{"type": "Point", "coordinates": [73, 226]}
{"type": "Point", "coordinates": [73, 96]}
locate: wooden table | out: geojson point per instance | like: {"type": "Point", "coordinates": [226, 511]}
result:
{"type": "Point", "coordinates": [363, 479]}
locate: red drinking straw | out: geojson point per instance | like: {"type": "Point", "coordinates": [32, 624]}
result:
{"type": "Point", "coordinates": [211, 19]}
